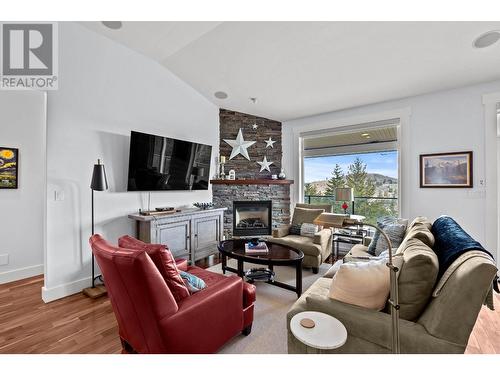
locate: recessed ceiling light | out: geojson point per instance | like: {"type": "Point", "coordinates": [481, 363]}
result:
{"type": "Point", "coordinates": [486, 39]}
{"type": "Point", "coordinates": [220, 95]}
{"type": "Point", "coordinates": [115, 25]}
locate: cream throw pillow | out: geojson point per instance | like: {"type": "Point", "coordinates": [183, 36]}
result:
{"type": "Point", "coordinates": [364, 284]}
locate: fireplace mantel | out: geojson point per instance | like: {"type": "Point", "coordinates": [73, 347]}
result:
{"type": "Point", "coordinates": [260, 181]}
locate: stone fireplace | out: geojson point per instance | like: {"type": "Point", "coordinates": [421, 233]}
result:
{"type": "Point", "coordinates": [252, 218]}
{"type": "Point", "coordinates": [252, 192]}
{"type": "Point", "coordinates": [255, 202]}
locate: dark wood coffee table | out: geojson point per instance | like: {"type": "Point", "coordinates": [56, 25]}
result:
{"type": "Point", "coordinates": [278, 255]}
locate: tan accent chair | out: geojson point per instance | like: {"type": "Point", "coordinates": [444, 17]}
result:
{"type": "Point", "coordinates": [316, 249]}
{"type": "Point", "coordinates": [428, 323]}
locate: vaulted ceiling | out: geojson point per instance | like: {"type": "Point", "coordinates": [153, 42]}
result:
{"type": "Point", "coordinates": [298, 69]}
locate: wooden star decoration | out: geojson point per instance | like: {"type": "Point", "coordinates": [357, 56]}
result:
{"type": "Point", "coordinates": [239, 146]}
{"type": "Point", "coordinates": [270, 143]}
{"type": "Point", "coordinates": [264, 164]}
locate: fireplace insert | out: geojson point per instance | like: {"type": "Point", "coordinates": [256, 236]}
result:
{"type": "Point", "coordinates": [252, 218]}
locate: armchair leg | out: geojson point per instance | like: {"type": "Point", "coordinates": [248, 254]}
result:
{"type": "Point", "coordinates": [246, 331]}
{"type": "Point", "coordinates": [127, 348]}
{"type": "Point", "coordinates": [315, 270]}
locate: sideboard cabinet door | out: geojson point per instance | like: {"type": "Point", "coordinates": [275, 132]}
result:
{"type": "Point", "coordinates": [176, 236]}
{"type": "Point", "coordinates": [207, 232]}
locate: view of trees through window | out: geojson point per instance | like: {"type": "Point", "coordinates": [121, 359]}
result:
{"type": "Point", "coordinates": [373, 176]}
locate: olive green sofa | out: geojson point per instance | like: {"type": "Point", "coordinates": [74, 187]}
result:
{"type": "Point", "coordinates": [316, 249]}
{"type": "Point", "coordinates": [430, 322]}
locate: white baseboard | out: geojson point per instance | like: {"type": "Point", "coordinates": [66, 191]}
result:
{"type": "Point", "coordinates": [21, 273]}
{"type": "Point", "coordinates": [64, 290]}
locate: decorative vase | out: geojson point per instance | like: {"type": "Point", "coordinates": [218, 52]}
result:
{"type": "Point", "coordinates": [282, 174]}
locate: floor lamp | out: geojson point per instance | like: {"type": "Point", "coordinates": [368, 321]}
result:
{"type": "Point", "coordinates": [99, 183]}
{"type": "Point", "coordinates": [329, 220]}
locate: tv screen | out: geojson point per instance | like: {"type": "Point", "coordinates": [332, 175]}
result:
{"type": "Point", "coordinates": [161, 163]}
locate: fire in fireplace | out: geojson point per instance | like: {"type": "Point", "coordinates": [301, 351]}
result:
{"type": "Point", "coordinates": [252, 218]}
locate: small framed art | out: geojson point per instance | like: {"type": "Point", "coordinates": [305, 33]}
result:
{"type": "Point", "coordinates": [446, 170]}
{"type": "Point", "coordinates": [9, 167]}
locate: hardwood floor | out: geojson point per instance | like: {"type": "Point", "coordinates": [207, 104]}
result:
{"type": "Point", "coordinates": [78, 324]}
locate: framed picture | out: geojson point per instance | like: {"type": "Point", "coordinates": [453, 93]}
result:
{"type": "Point", "coordinates": [9, 167]}
{"type": "Point", "coordinates": [446, 170]}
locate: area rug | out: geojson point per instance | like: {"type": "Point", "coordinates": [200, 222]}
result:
{"type": "Point", "coordinates": [269, 334]}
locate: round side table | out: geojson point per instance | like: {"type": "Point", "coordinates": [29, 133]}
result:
{"type": "Point", "coordinates": [328, 332]}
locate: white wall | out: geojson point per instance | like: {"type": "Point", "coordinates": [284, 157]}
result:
{"type": "Point", "coordinates": [438, 122]}
{"type": "Point", "coordinates": [22, 229]}
{"type": "Point", "coordinates": [105, 91]}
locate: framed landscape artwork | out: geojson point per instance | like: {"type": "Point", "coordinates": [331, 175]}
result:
{"type": "Point", "coordinates": [446, 170]}
{"type": "Point", "coordinates": [9, 166]}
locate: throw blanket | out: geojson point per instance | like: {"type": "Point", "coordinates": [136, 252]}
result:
{"type": "Point", "coordinates": [452, 244]}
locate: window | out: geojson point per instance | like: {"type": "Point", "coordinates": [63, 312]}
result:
{"type": "Point", "coordinates": [365, 160]}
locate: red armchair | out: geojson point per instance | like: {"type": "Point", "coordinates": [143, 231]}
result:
{"type": "Point", "coordinates": [149, 318]}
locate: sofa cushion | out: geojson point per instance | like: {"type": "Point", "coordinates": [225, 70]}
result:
{"type": "Point", "coordinates": [420, 231]}
{"type": "Point", "coordinates": [420, 220]}
{"type": "Point", "coordinates": [359, 251]}
{"type": "Point", "coordinates": [210, 278]}
{"type": "Point", "coordinates": [364, 284]}
{"type": "Point", "coordinates": [304, 244]}
{"type": "Point", "coordinates": [163, 260]}
{"type": "Point", "coordinates": [417, 278]}
{"type": "Point", "coordinates": [305, 215]}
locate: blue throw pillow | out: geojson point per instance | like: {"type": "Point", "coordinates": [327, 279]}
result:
{"type": "Point", "coordinates": [295, 229]}
{"type": "Point", "coordinates": [192, 282]}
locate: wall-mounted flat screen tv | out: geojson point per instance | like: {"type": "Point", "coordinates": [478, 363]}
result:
{"type": "Point", "coordinates": [162, 163]}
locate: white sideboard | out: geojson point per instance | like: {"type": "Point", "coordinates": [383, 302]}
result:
{"type": "Point", "coordinates": [190, 234]}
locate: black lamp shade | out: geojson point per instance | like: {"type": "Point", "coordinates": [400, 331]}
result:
{"type": "Point", "coordinates": [99, 180]}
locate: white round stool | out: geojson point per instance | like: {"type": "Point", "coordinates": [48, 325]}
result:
{"type": "Point", "coordinates": [328, 332]}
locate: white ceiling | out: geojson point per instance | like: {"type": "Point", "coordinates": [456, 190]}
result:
{"type": "Point", "coordinates": [298, 69]}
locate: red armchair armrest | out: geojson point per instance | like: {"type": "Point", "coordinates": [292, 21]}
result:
{"type": "Point", "coordinates": [205, 320]}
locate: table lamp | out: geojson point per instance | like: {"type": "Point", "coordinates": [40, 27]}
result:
{"type": "Point", "coordinates": [329, 220]}
{"type": "Point", "coordinates": [99, 183]}
{"type": "Point", "coordinates": [345, 194]}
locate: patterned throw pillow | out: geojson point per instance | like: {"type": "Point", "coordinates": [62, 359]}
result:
{"type": "Point", "coordinates": [295, 229]}
{"type": "Point", "coordinates": [382, 222]}
{"type": "Point", "coordinates": [308, 229]}
{"type": "Point", "coordinates": [192, 282]}
{"type": "Point", "coordinates": [396, 233]}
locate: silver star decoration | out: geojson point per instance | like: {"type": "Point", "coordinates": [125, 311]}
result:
{"type": "Point", "coordinates": [264, 164]}
{"type": "Point", "coordinates": [239, 146]}
{"type": "Point", "coordinates": [255, 126]}
{"type": "Point", "coordinates": [270, 142]}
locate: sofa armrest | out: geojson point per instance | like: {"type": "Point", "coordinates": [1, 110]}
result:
{"type": "Point", "coordinates": [205, 320]}
{"type": "Point", "coordinates": [322, 238]}
{"type": "Point", "coordinates": [375, 327]}
{"type": "Point", "coordinates": [281, 231]}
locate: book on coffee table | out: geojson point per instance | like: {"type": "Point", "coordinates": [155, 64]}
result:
{"type": "Point", "coordinates": [259, 248]}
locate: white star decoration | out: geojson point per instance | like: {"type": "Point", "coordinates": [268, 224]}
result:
{"type": "Point", "coordinates": [255, 126]}
{"type": "Point", "coordinates": [264, 164]}
{"type": "Point", "coordinates": [239, 146]}
{"type": "Point", "coordinates": [270, 142]}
